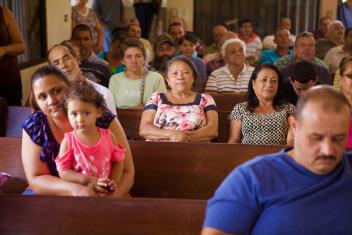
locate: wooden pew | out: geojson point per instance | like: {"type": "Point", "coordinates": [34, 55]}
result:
{"type": "Point", "coordinates": [3, 116]}
{"type": "Point", "coordinates": [165, 170]}
{"type": "Point", "coordinates": [226, 101]}
{"type": "Point", "coordinates": [187, 170]}
{"type": "Point", "coordinates": [51, 215]}
{"type": "Point", "coordinates": [130, 120]}
{"type": "Point", "coordinates": [15, 118]}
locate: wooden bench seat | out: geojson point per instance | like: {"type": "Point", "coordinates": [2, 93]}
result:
{"type": "Point", "coordinates": [165, 170]}
{"type": "Point", "coordinates": [52, 215]}
{"type": "Point", "coordinates": [226, 101]}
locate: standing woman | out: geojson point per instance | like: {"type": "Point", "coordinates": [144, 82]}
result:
{"type": "Point", "coordinates": [81, 14]}
{"type": "Point", "coordinates": [265, 118]}
{"type": "Point", "coordinates": [44, 130]}
{"type": "Point", "coordinates": [132, 88]}
{"type": "Point", "coordinates": [11, 45]}
{"type": "Point", "coordinates": [180, 115]}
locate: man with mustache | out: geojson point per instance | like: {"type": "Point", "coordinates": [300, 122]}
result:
{"type": "Point", "coordinates": [165, 50]}
{"type": "Point", "coordinates": [301, 190]}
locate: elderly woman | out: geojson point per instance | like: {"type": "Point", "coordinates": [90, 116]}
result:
{"type": "Point", "coordinates": [346, 88]}
{"type": "Point", "coordinates": [180, 115]}
{"type": "Point", "coordinates": [132, 88]}
{"type": "Point", "coordinates": [234, 76]}
{"type": "Point", "coordinates": [264, 118]}
{"type": "Point", "coordinates": [44, 130]}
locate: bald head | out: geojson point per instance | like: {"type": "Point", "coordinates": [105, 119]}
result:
{"type": "Point", "coordinates": [336, 31]}
{"type": "Point", "coordinates": [327, 98]}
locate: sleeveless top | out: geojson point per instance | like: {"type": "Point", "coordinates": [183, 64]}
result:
{"type": "Point", "coordinates": [38, 129]}
{"type": "Point", "coordinates": [10, 70]}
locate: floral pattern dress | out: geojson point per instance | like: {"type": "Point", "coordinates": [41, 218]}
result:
{"type": "Point", "coordinates": [185, 117]}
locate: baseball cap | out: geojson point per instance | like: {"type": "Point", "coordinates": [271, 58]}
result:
{"type": "Point", "coordinates": [164, 38]}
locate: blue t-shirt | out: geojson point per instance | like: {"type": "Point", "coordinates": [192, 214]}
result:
{"type": "Point", "coordinates": [273, 194]}
{"type": "Point", "coordinates": [271, 56]}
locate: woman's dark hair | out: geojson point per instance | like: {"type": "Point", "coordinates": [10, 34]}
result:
{"type": "Point", "coordinates": [132, 43]}
{"type": "Point", "coordinates": [343, 64]}
{"type": "Point", "coordinates": [43, 71]}
{"type": "Point", "coordinates": [253, 101]}
{"type": "Point", "coordinates": [189, 62]}
{"type": "Point", "coordinates": [86, 93]}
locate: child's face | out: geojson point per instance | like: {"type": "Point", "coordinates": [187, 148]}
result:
{"type": "Point", "coordinates": [82, 116]}
{"type": "Point", "coordinates": [187, 48]}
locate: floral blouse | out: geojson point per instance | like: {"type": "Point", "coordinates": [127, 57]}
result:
{"type": "Point", "coordinates": [185, 117]}
{"type": "Point", "coordinates": [38, 129]}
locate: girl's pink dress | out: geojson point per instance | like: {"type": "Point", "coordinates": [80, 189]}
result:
{"type": "Point", "coordinates": [90, 160]}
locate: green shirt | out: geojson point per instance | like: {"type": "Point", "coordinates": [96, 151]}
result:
{"type": "Point", "coordinates": [127, 92]}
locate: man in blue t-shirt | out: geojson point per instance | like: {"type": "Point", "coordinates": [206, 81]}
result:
{"type": "Point", "coordinates": [301, 190]}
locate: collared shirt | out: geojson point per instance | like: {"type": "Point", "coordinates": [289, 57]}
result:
{"type": "Point", "coordinates": [334, 56]}
{"type": "Point", "coordinates": [253, 45]}
{"type": "Point", "coordinates": [222, 80]}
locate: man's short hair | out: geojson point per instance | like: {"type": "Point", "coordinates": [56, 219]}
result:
{"type": "Point", "coordinates": [241, 22]}
{"type": "Point", "coordinates": [79, 28]}
{"type": "Point", "coordinates": [303, 72]}
{"type": "Point", "coordinates": [327, 97]}
{"type": "Point", "coordinates": [304, 34]}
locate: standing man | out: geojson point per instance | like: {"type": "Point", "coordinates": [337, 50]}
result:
{"type": "Point", "coordinates": [111, 14]}
{"type": "Point", "coordinates": [301, 190]}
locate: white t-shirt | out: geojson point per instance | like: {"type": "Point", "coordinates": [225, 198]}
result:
{"type": "Point", "coordinates": [106, 93]}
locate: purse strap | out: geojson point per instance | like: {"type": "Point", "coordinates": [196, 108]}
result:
{"type": "Point", "coordinates": [144, 78]}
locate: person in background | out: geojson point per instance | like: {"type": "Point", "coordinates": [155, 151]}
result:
{"type": "Point", "coordinates": [334, 37]}
{"type": "Point", "coordinates": [285, 23]}
{"type": "Point", "coordinates": [346, 89]}
{"type": "Point", "coordinates": [344, 13]}
{"type": "Point", "coordinates": [322, 30]}
{"type": "Point", "coordinates": [282, 41]}
{"type": "Point", "coordinates": [118, 36]}
{"type": "Point", "coordinates": [132, 88]}
{"type": "Point", "coordinates": [281, 193]}
{"type": "Point", "coordinates": [11, 45]}
{"type": "Point", "coordinates": [134, 31]}
{"type": "Point", "coordinates": [218, 32]}
{"type": "Point", "coordinates": [145, 10]}
{"type": "Point", "coordinates": [82, 35]}
{"type": "Point", "coordinates": [334, 56]}
{"type": "Point", "coordinates": [302, 77]}
{"type": "Point", "coordinates": [235, 75]}
{"type": "Point", "coordinates": [215, 61]}
{"type": "Point", "coordinates": [65, 58]}
{"type": "Point", "coordinates": [43, 132]}
{"type": "Point", "coordinates": [187, 47]}
{"type": "Point", "coordinates": [180, 115]}
{"type": "Point", "coordinates": [305, 50]}
{"type": "Point", "coordinates": [176, 30]}
{"type": "Point", "coordinates": [165, 49]}
{"type": "Point", "coordinates": [81, 14]}
{"type": "Point", "coordinates": [112, 15]}
{"type": "Point", "coordinates": [251, 39]}
{"type": "Point", "coordinates": [89, 155]}
{"type": "Point", "coordinates": [265, 118]}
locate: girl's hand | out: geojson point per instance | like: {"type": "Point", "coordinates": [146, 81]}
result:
{"type": "Point", "coordinates": [97, 184]}
{"type": "Point", "coordinates": [107, 184]}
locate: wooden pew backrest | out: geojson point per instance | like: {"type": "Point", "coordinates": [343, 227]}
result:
{"type": "Point", "coordinates": [130, 120]}
{"type": "Point", "coordinates": [181, 170]}
{"type": "Point", "coordinates": [15, 118]}
{"type": "Point", "coordinates": [98, 216]}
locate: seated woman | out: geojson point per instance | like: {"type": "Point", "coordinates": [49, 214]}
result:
{"type": "Point", "coordinates": [234, 76]}
{"type": "Point", "coordinates": [346, 88]}
{"type": "Point", "coordinates": [44, 130]}
{"type": "Point", "coordinates": [180, 115]}
{"type": "Point", "coordinates": [132, 88]}
{"type": "Point", "coordinates": [265, 118]}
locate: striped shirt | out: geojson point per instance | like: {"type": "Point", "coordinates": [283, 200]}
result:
{"type": "Point", "coordinates": [221, 80]}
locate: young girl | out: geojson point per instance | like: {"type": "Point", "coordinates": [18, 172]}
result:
{"type": "Point", "coordinates": [187, 47]}
{"type": "Point", "coordinates": [88, 152]}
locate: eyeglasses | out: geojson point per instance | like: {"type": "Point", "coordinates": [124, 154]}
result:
{"type": "Point", "coordinates": [348, 75]}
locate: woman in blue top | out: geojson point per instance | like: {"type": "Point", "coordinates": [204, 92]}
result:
{"type": "Point", "coordinates": [44, 130]}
